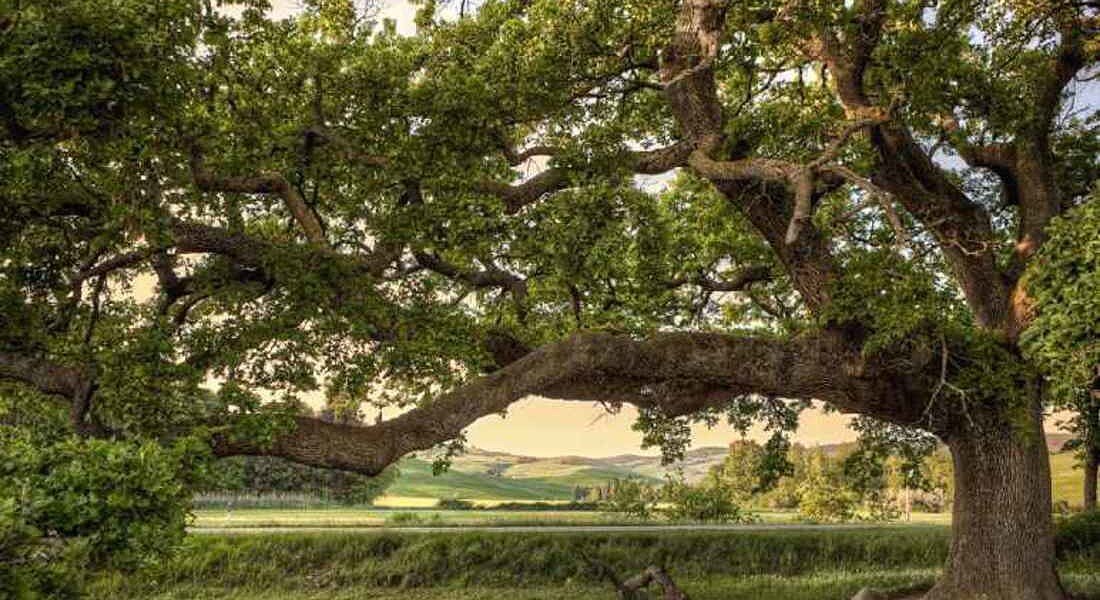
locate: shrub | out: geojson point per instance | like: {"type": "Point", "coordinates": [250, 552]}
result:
{"type": "Point", "coordinates": [633, 499]}
{"type": "Point", "coordinates": [455, 504]}
{"type": "Point", "coordinates": [823, 502]}
{"type": "Point", "coordinates": [704, 503]}
{"type": "Point", "coordinates": [549, 506]}
{"type": "Point", "coordinates": [1078, 534]}
{"type": "Point", "coordinates": [73, 505]}
{"type": "Point", "coordinates": [404, 519]}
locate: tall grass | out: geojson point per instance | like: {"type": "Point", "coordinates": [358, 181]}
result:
{"type": "Point", "coordinates": [516, 565]}
{"type": "Point", "coordinates": [510, 559]}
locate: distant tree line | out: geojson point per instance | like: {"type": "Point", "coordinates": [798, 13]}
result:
{"type": "Point", "coordinates": [849, 482]}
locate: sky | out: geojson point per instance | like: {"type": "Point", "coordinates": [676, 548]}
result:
{"type": "Point", "coordinates": [541, 427]}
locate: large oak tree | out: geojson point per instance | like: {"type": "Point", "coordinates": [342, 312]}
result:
{"type": "Point", "coordinates": [701, 208]}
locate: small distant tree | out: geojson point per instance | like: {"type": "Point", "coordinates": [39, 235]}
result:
{"type": "Point", "coordinates": [705, 502]}
{"type": "Point", "coordinates": [1084, 426]}
{"type": "Point", "coordinates": [824, 496]}
{"type": "Point", "coordinates": [740, 471]}
{"type": "Point", "coordinates": [939, 473]}
{"type": "Point", "coordinates": [633, 498]}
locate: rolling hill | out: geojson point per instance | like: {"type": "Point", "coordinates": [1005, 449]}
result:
{"type": "Point", "coordinates": [487, 475]}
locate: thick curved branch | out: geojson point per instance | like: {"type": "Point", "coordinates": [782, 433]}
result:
{"type": "Point", "coordinates": [1078, 48]}
{"type": "Point", "coordinates": [962, 227]}
{"type": "Point", "coordinates": [676, 373]}
{"type": "Point", "coordinates": [739, 281]}
{"type": "Point", "coordinates": [553, 179]}
{"type": "Point", "coordinates": [74, 386]}
{"type": "Point", "coordinates": [490, 277]}
{"type": "Point", "coordinates": [263, 183]}
{"type": "Point", "coordinates": [761, 187]}
{"type": "Point", "coordinates": [197, 238]}
{"type": "Point", "coordinates": [516, 197]}
{"type": "Point", "coordinates": [44, 375]}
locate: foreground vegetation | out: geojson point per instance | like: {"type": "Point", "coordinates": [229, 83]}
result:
{"type": "Point", "coordinates": [817, 564]}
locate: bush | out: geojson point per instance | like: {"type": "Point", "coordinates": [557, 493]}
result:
{"type": "Point", "coordinates": [701, 503]}
{"type": "Point", "coordinates": [1078, 534]}
{"type": "Point", "coordinates": [633, 499]}
{"type": "Point", "coordinates": [455, 504]}
{"type": "Point", "coordinates": [823, 502]}
{"type": "Point", "coordinates": [411, 519]}
{"type": "Point", "coordinates": [549, 506]}
{"type": "Point", "coordinates": [404, 519]}
{"type": "Point", "coordinates": [33, 567]}
{"type": "Point", "coordinates": [79, 504]}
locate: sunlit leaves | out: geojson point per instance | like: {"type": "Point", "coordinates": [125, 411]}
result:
{"type": "Point", "coordinates": [1064, 282]}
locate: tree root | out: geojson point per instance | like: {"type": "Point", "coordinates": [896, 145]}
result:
{"type": "Point", "coordinates": [634, 587]}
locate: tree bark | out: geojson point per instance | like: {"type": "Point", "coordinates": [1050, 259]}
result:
{"type": "Point", "coordinates": [1002, 544]}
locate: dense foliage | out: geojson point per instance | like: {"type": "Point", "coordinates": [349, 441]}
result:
{"type": "Point", "coordinates": [715, 210]}
{"type": "Point", "coordinates": [75, 506]}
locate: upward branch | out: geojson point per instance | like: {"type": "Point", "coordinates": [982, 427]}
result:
{"type": "Point", "coordinates": [262, 183]}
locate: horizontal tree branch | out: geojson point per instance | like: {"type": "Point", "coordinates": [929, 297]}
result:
{"type": "Point", "coordinates": [553, 179]}
{"type": "Point", "coordinates": [739, 281]}
{"type": "Point", "coordinates": [676, 373]}
{"type": "Point", "coordinates": [46, 376]}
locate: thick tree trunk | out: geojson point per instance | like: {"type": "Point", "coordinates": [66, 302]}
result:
{"type": "Point", "coordinates": [1092, 464]}
{"type": "Point", "coordinates": [1002, 543]}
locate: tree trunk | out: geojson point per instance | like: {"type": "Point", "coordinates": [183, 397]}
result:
{"type": "Point", "coordinates": [1092, 464]}
{"type": "Point", "coordinates": [1002, 544]}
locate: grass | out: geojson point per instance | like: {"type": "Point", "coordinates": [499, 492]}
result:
{"type": "Point", "coordinates": [820, 586]}
{"type": "Point", "coordinates": [1066, 478]}
{"type": "Point", "coordinates": [793, 564]}
{"type": "Point", "coordinates": [489, 559]}
{"type": "Point", "coordinates": [354, 517]}
{"type": "Point", "coordinates": [367, 517]}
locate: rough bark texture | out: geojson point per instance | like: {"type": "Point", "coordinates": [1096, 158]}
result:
{"type": "Point", "coordinates": [1002, 544]}
{"type": "Point", "coordinates": [678, 373]}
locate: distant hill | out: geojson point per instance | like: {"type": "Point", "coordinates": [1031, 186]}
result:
{"type": "Point", "coordinates": [482, 475]}
{"type": "Point", "coordinates": [488, 475]}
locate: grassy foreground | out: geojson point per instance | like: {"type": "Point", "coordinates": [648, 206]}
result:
{"type": "Point", "coordinates": [490, 565]}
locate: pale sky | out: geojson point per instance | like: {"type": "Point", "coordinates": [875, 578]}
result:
{"type": "Point", "coordinates": [540, 427]}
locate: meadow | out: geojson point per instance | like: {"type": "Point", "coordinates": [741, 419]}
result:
{"type": "Point", "coordinates": [820, 564]}
{"type": "Point", "coordinates": [408, 514]}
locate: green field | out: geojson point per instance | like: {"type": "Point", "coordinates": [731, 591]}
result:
{"type": "Point", "coordinates": [544, 480]}
{"type": "Point", "coordinates": [488, 565]}
{"type": "Point", "coordinates": [1066, 478]}
{"type": "Point", "coordinates": [338, 517]}
{"type": "Point", "coordinates": [368, 517]}
{"type": "Point", "coordinates": [416, 480]}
